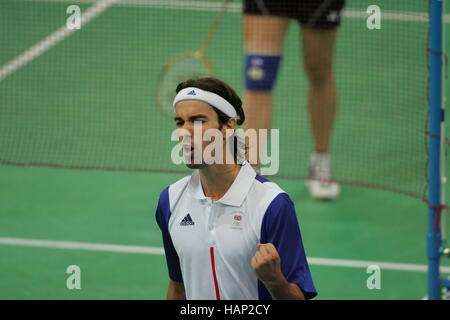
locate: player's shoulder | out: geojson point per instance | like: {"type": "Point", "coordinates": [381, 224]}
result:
{"type": "Point", "coordinates": [276, 203]}
{"type": "Point", "coordinates": [267, 187]}
{"type": "Point", "coordinates": [168, 197]}
{"type": "Point", "coordinates": [174, 190]}
{"type": "Point", "coordinates": [270, 193]}
{"type": "Point", "coordinates": [180, 185]}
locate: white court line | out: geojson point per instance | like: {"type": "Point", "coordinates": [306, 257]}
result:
{"type": "Point", "coordinates": [160, 251]}
{"type": "Point", "coordinates": [80, 246]}
{"type": "Point", "coordinates": [52, 39]}
{"type": "Point", "coordinates": [236, 7]}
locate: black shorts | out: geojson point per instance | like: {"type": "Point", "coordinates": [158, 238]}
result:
{"type": "Point", "coordinates": [315, 13]}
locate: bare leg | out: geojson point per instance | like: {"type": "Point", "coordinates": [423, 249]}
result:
{"type": "Point", "coordinates": [262, 35]}
{"type": "Point", "coordinates": [318, 49]}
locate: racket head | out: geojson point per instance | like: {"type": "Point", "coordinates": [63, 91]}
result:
{"type": "Point", "coordinates": [187, 65]}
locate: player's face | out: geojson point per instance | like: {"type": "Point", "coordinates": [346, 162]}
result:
{"type": "Point", "coordinates": [189, 114]}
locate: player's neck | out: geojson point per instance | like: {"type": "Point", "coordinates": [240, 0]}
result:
{"type": "Point", "coordinates": [217, 179]}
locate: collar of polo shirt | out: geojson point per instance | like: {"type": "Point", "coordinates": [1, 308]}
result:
{"type": "Point", "coordinates": [236, 193]}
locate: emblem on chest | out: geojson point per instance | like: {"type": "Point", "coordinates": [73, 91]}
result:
{"type": "Point", "coordinates": [237, 220]}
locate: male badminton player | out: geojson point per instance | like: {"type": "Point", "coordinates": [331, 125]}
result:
{"type": "Point", "coordinates": [265, 23]}
{"type": "Point", "coordinates": [228, 233]}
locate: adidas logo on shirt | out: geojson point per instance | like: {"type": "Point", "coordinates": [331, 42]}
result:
{"type": "Point", "coordinates": [187, 221]}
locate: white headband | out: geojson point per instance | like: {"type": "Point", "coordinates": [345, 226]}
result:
{"type": "Point", "coordinates": [213, 99]}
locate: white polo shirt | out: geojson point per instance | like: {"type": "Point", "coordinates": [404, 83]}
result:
{"type": "Point", "coordinates": [209, 245]}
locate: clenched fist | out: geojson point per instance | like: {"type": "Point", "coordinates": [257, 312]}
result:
{"type": "Point", "coordinates": [266, 263]}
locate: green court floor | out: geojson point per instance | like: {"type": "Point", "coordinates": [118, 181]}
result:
{"type": "Point", "coordinates": [117, 207]}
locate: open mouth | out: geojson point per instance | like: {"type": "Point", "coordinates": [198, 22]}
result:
{"type": "Point", "coordinates": [188, 150]}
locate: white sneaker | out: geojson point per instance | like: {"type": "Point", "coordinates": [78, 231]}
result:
{"type": "Point", "coordinates": [320, 184]}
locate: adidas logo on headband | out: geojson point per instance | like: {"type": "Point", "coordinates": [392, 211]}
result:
{"type": "Point", "coordinates": [211, 98]}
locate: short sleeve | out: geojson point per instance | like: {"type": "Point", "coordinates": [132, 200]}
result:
{"type": "Point", "coordinates": [280, 227]}
{"type": "Point", "coordinates": [162, 218]}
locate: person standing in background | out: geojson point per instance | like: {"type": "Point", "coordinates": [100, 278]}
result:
{"type": "Point", "coordinates": [264, 24]}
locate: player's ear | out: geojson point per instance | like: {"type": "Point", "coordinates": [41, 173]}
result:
{"type": "Point", "coordinates": [230, 128]}
{"type": "Point", "coordinates": [231, 124]}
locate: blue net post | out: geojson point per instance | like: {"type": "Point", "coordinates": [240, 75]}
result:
{"type": "Point", "coordinates": [436, 116]}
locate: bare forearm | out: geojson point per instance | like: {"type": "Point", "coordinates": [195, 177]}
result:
{"type": "Point", "coordinates": [175, 296]}
{"type": "Point", "coordinates": [175, 291]}
{"type": "Point", "coordinates": [266, 264]}
{"type": "Point", "coordinates": [283, 290]}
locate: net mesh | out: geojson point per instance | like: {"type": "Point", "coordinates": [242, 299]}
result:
{"type": "Point", "coordinates": [88, 100]}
